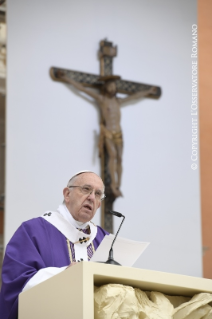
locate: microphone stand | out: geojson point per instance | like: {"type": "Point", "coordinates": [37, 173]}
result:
{"type": "Point", "coordinates": [111, 260]}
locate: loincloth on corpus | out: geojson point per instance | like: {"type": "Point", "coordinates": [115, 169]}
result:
{"type": "Point", "coordinates": [115, 137]}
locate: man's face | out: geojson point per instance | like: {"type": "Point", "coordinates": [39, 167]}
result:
{"type": "Point", "coordinates": [83, 206]}
{"type": "Point", "coordinates": [111, 88]}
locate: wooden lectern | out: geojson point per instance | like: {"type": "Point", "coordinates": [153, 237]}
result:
{"type": "Point", "coordinates": [70, 294]}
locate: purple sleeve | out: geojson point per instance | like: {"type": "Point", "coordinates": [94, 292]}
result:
{"type": "Point", "coordinates": [22, 260]}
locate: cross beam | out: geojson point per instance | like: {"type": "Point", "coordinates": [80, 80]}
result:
{"type": "Point", "coordinates": [92, 80]}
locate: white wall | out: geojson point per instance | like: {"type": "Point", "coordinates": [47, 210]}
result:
{"type": "Point", "coordinates": [52, 131]}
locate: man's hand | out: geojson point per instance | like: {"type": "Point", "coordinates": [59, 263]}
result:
{"type": "Point", "coordinates": [60, 74]}
{"type": "Point", "coordinates": [153, 90]}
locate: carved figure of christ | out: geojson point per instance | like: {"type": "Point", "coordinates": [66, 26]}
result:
{"type": "Point", "coordinates": [109, 105]}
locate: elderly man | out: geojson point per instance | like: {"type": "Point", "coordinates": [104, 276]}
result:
{"type": "Point", "coordinates": [43, 247]}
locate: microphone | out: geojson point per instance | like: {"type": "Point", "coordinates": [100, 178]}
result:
{"type": "Point", "coordinates": [111, 260]}
{"type": "Point", "coordinates": [116, 213]}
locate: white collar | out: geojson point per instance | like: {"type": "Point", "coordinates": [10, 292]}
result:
{"type": "Point", "coordinates": [63, 210]}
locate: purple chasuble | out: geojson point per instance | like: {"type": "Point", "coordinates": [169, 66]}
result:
{"type": "Point", "coordinates": [35, 245]}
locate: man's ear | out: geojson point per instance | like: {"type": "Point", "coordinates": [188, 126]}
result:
{"type": "Point", "coordinates": [66, 192]}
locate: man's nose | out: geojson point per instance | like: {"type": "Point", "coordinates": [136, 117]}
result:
{"type": "Point", "coordinates": [92, 195]}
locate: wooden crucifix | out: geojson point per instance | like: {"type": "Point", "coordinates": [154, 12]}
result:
{"type": "Point", "coordinates": [110, 138]}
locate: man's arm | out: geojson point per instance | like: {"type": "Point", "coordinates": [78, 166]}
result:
{"type": "Point", "coordinates": [138, 95]}
{"type": "Point", "coordinates": [44, 274]}
{"type": "Point", "coordinates": [79, 86]}
{"type": "Point", "coordinates": [28, 261]}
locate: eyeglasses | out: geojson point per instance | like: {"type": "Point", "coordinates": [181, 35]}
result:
{"type": "Point", "coordinates": [89, 190]}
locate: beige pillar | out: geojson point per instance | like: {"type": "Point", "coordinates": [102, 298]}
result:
{"type": "Point", "coordinates": [205, 121]}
